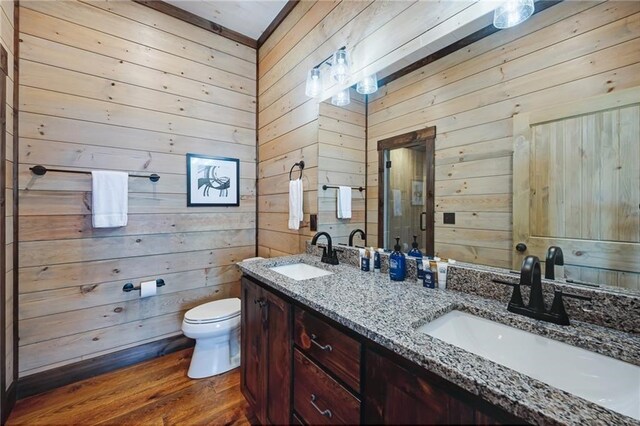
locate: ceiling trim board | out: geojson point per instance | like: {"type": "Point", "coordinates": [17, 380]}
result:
{"type": "Point", "coordinates": [277, 21]}
{"type": "Point", "coordinates": [198, 21]}
{"type": "Point", "coordinates": [460, 44]}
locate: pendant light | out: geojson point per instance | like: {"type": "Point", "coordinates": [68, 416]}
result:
{"type": "Point", "coordinates": [368, 85]}
{"type": "Point", "coordinates": [512, 12]}
{"type": "Point", "coordinates": [314, 83]}
{"type": "Point", "coordinates": [341, 98]}
{"type": "Point", "coordinates": [340, 66]}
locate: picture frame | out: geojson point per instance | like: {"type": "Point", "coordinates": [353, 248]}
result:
{"type": "Point", "coordinates": [212, 181]}
{"type": "Point", "coordinates": [417, 193]}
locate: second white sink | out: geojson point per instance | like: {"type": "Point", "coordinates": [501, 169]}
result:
{"type": "Point", "coordinates": [597, 378]}
{"type": "Point", "coordinates": [300, 271]}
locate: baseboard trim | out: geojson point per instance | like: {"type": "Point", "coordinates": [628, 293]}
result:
{"type": "Point", "coordinates": [67, 374]}
{"type": "Point", "coordinates": [10, 402]}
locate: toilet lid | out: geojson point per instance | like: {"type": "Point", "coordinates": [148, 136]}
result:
{"type": "Point", "coordinates": [218, 310]}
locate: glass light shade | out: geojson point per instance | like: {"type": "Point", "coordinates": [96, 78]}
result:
{"type": "Point", "coordinates": [340, 66]}
{"type": "Point", "coordinates": [341, 98]}
{"type": "Point", "coordinates": [512, 12]}
{"type": "Point", "coordinates": [368, 85]}
{"type": "Point", "coordinates": [314, 83]}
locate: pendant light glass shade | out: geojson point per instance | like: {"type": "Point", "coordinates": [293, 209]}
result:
{"type": "Point", "coordinates": [341, 98]}
{"type": "Point", "coordinates": [314, 83]}
{"type": "Point", "coordinates": [512, 12]}
{"type": "Point", "coordinates": [340, 66]}
{"type": "Point", "coordinates": [368, 85]}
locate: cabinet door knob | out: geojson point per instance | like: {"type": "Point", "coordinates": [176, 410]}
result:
{"type": "Point", "coordinates": [326, 413]}
{"type": "Point", "coordinates": [521, 247]}
{"type": "Point", "coordinates": [327, 347]}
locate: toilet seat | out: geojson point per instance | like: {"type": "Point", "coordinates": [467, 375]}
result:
{"type": "Point", "coordinates": [212, 312]}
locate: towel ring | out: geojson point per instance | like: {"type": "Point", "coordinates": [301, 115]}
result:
{"type": "Point", "coordinates": [301, 165]}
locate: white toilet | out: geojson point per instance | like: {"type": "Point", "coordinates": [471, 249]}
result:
{"type": "Point", "coordinates": [216, 328]}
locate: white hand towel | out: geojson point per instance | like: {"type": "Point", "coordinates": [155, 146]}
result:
{"type": "Point", "coordinates": [110, 202]}
{"type": "Point", "coordinates": [295, 203]}
{"type": "Point", "coordinates": [344, 202]}
{"type": "Point", "coordinates": [397, 202]}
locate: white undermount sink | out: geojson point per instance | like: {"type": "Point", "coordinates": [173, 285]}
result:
{"type": "Point", "coordinates": [300, 271]}
{"type": "Point", "coordinates": [597, 378]}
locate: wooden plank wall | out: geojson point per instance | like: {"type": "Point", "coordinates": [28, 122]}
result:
{"type": "Point", "coordinates": [341, 161]}
{"type": "Point", "coordinates": [6, 38]}
{"type": "Point", "coordinates": [119, 86]}
{"type": "Point", "coordinates": [574, 50]}
{"type": "Point", "coordinates": [288, 120]}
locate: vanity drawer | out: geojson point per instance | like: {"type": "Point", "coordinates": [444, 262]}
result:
{"type": "Point", "coordinates": [332, 348]}
{"type": "Point", "coordinates": [318, 398]}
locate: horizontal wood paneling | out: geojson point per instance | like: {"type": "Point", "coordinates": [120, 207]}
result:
{"type": "Point", "coordinates": [7, 311]}
{"type": "Point", "coordinates": [574, 50]}
{"type": "Point", "coordinates": [119, 86]}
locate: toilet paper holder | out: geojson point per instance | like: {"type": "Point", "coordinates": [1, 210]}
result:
{"type": "Point", "coordinates": [130, 287]}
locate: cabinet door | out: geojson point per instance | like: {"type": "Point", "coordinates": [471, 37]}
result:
{"type": "Point", "coordinates": [397, 396]}
{"type": "Point", "coordinates": [253, 359]}
{"type": "Point", "coordinates": [278, 355]}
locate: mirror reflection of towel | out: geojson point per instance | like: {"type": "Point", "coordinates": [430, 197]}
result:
{"type": "Point", "coordinates": [397, 202]}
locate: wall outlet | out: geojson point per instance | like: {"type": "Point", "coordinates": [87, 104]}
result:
{"type": "Point", "coordinates": [449, 218]}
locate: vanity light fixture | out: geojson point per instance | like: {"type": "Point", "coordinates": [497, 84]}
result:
{"type": "Point", "coordinates": [340, 66]}
{"type": "Point", "coordinates": [341, 98]}
{"type": "Point", "coordinates": [339, 71]}
{"type": "Point", "coordinates": [368, 85]}
{"type": "Point", "coordinates": [314, 83]}
{"type": "Point", "coordinates": [512, 12]}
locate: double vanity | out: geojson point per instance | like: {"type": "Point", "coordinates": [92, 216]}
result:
{"type": "Point", "coordinates": [332, 344]}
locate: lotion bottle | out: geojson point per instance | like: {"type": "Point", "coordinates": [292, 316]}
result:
{"type": "Point", "coordinates": [415, 251]}
{"type": "Point", "coordinates": [397, 263]}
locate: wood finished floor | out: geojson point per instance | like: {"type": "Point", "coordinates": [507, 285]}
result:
{"type": "Point", "coordinates": [156, 392]}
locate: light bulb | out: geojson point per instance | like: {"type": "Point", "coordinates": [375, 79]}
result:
{"type": "Point", "coordinates": [512, 12]}
{"type": "Point", "coordinates": [341, 98]}
{"type": "Point", "coordinates": [368, 85]}
{"type": "Point", "coordinates": [340, 66]}
{"type": "Point", "coordinates": [313, 87]}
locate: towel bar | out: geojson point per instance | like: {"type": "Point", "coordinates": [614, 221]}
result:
{"type": "Point", "coordinates": [42, 170]}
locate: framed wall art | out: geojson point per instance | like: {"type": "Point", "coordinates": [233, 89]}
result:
{"type": "Point", "coordinates": [212, 181]}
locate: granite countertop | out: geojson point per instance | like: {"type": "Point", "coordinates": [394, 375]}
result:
{"type": "Point", "coordinates": [389, 313]}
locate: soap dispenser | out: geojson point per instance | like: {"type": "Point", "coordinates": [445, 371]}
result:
{"type": "Point", "coordinates": [415, 251]}
{"type": "Point", "coordinates": [397, 263]}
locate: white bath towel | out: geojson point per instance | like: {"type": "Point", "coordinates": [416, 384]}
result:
{"type": "Point", "coordinates": [397, 202]}
{"type": "Point", "coordinates": [295, 203]}
{"type": "Point", "coordinates": [344, 202]}
{"type": "Point", "coordinates": [109, 199]}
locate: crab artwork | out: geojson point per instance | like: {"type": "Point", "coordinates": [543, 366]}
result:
{"type": "Point", "coordinates": [211, 180]}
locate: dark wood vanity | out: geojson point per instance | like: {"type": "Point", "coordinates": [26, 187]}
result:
{"type": "Point", "coordinates": [301, 367]}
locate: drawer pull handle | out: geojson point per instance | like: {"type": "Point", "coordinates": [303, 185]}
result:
{"type": "Point", "coordinates": [326, 413]}
{"type": "Point", "coordinates": [327, 348]}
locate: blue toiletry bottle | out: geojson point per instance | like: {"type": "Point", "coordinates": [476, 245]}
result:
{"type": "Point", "coordinates": [397, 263]}
{"type": "Point", "coordinates": [415, 251]}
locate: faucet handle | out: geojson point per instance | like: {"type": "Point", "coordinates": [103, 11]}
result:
{"type": "Point", "coordinates": [516, 295]}
{"type": "Point", "coordinates": [557, 308]}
